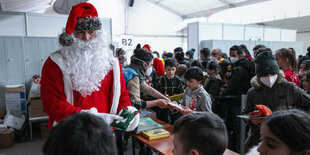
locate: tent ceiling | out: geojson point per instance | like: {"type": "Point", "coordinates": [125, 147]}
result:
{"type": "Point", "coordinates": [299, 23]}
{"type": "Point", "coordinates": [200, 8]}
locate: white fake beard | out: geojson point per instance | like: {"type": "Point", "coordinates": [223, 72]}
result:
{"type": "Point", "coordinates": [88, 63]}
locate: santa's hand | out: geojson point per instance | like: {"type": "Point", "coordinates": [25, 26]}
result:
{"type": "Point", "coordinates": [131, 119]}
{"type": "Point", "coordinates": [108, 118]}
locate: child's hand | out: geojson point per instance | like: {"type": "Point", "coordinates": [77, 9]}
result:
{"type": "Point", "coordinates": [186, 111]}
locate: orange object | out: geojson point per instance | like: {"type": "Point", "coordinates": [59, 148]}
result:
{"type": "Point", "coordinates": [264, 110]}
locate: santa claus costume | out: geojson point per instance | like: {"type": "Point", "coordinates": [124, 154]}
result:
{"type": "Point", "coordinates": [84, 75]}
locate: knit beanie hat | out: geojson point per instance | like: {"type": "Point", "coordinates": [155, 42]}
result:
{"type": "Point", "coordinates": [265, 63]}
{"type": "Point", "coordinates": [190, 52]}
{"type": "Point", "coordinates": [90, 22]}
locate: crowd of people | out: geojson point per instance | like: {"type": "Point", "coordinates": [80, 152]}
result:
{"type": "Point", "coordinates": [85, 89]}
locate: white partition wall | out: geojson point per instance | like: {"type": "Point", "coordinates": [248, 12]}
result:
{"type": "Point", "coordinates": [198, 31]}
{"type": "Point", "coordinates": [24, 51]}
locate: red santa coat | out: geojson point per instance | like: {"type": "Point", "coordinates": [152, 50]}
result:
{"type": "Point", "coordinates": [60, 101]}
{"type": "Point", "coordinates": [159, 67]}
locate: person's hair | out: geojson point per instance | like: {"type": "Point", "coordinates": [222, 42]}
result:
{"type": "Point", "coordinates": [121, 60]}
{"type": "Point", "coordinates": [213, 65]}
{"type": "Point", "coordinates": [257, 47]}
{"type": "Point", "coordinates": [156, 53]}
{"type": "Point", "coordinates": [169, 55]}
{"type": "Point", "coordinates": [292, 127]}
{"type": "Point", "coordinates": [290, 54]}
{"type": "Point", "coordinates": [80, 134]}
{"type": "Point", "coordinates": [225, 56]}
{"type": "Point", "coordinates": [196, 63]}
{"type": "Point", "coordinates": [307, 64]}
{"type": "Point", "coordinates": [205, 52]}
{"type": "Point", "coordinates": [194, 73]}
{"type": "Point", "coordinates": [263, 49]}
{"type": "Point", "coordinates": [170, 62]}
{"type": "Point", "coordinates": [243, 47]}
{"type": "Point", "coordinates": [179, 56]}
{"type": "Point", "coordinates": [138, 46]}
{"type": "Point", "coordinates": [307, 74]}
{"type": "Point", "coordinates": [178, 49]}
{"type": "Point", "coordinates": [181, 70]}
{"type": "Point", "coordinates": [140, 56]}
{"type": "Point", "coordinates": [236, 48]}
{"type": "Point", "coordinates": [119, 52]}
{"type": "Point", "coordinates": [308, 49]}
{"type": "Point", "coordinates": [203, 131]}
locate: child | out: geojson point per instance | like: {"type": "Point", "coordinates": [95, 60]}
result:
{"type": "Point", "coordinates": [286, 132]}
{"type": "Point", "coordinates": [169, 85]}
{"type": "Point", "coordinates": [195, 97]}
{"type": "Point", "coordinates": [200, 133]}
{"type": "Point", "coordinates": [80, 134]}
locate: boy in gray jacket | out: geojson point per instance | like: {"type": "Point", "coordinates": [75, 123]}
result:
{"type": "Point", "coordinates": [195, 97]}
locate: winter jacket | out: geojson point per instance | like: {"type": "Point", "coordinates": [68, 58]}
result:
{"type": "Point", "coordinates": [213, 85]}
{"type": "Point", "coordinates": [197, 99]}
{"type": "Point", "coordinates": [283, 94]}
{"type": "Point", "coordinates": [239, 82]}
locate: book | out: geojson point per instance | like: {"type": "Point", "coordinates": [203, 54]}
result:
{"type": "Point", "coordinates": [155, 134]}
{"type": "Point", "coordinates": [177, 97]}
{"type": "Point", "coordinates": [147, 123]}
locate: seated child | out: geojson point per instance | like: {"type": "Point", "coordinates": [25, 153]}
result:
{"type": "Point", "coordinates": [81, 134]}
{"type": "Point", "coordinates": [169, 85]}
{"type": "Point", "coordinates": [195, 97]}
{"type": "Point", "coordinates": [209, 136]}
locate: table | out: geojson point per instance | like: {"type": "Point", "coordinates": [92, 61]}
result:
{"type": "Point", "coordinates": [163, 146]}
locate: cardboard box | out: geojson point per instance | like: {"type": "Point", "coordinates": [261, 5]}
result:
{"type": "Point", "coordinates": [6, 138]}
{"type": "Point", "coordinates": [44, 130]}
{"type": "Point", "coordinates": [15, 98]}
{"type": "Point", "coordinates": [15, 121]}
{"type": "Point", "coordinates": [36, 108]}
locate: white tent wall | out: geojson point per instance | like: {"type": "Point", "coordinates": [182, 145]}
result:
{"type": "Point", "coordinates": [145, 22]}
{"type": "Point", "coordinates": [304, 37]}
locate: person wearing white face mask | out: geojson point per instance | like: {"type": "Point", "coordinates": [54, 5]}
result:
{"type": "Point", "coordinates": [141, 66]}
{"type": "Point", "coordinates": [238, 84]}
{"type": "Point", "coordinates": [270, 88]}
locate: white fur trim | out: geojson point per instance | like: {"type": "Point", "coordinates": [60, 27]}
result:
{"type": "Point", "coordinates": [57, 58]}
{"type": "Point", "coordinates": [116, 86]}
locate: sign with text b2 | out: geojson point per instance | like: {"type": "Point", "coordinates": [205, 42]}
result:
{"type": "Point", "coordinates": [126, 42]}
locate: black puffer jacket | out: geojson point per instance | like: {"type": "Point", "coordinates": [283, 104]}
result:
{"type": "Point", "coordinates": [239, 82]}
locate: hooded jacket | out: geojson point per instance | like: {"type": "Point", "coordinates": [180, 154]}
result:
{"type": "Point", "coordinates": [239, 82]}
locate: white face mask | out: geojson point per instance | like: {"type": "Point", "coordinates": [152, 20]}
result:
{"type": "Point", "coordinates": [213, 58]}
{"type": "Point", "coordinates": [269, 80]}
{"type": "Point", "coordinates": [233, 59]}
{"type": "Point", "coordinates": [149, 71]}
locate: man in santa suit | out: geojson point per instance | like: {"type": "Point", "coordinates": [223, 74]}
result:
{"type": "Point", "coordinates": [83, 76]}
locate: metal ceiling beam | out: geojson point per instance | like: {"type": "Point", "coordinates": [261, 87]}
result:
{"type": "Point", "coordinates": [157, 2]}
{"type": "Point", "coordinates": [225, 7]}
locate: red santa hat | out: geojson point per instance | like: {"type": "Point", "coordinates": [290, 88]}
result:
{"type": "Point", "coordinates": [147, 47]}
{"type": "Point", "coordinates": [90, 22]}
